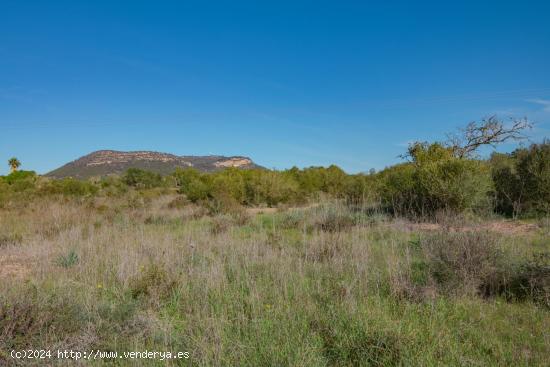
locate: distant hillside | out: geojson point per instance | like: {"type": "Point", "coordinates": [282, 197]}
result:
{"type": "Point", "coordinates": [106, 162]}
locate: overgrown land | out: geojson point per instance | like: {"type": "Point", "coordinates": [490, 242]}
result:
{"type": "Point", "coordinates": [441, 260]}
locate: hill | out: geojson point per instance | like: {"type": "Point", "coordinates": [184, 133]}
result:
{"type": "Point", "coordinates": [107, 162]}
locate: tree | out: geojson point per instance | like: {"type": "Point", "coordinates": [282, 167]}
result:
{"type": "Point", "coordinates": [489, 131]}
{"type": "Point", "coordinates": [533, 167]}
{"type": "Point", "coordinates": [522, 180]}
{"type": "Point", "coordinates": [14, 164]}
{"type": "Point", "coordinates": [509, 186]}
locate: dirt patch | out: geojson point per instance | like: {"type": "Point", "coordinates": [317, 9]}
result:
{"type": "Point", "coordinates": [509, 227]}
{"type": "Point", "coordinates": [275, 210]}
{"type": "Point", "coordinates": [506, 227]}
{"type": "Point", "coordinates": [261, 210]}
{"type": "Point", "coordinates": [12, 267]}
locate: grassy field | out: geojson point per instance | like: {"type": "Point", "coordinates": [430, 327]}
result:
{"type": "Point", "coordinates": [324, 285]}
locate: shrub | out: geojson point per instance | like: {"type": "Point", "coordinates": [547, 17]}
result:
{"type": "Point", "coordinates": [435, 180]}
{"type": "Point", "coordinates": [20, 176]}
{"type": "Point", "coordinates": [360, 189]}
{"type": "Point", "coordinates": [463, 261]}
{"type": "Point", "coordinates": [192, 183]}
{"type": "Point", "coordinates": [522, 180]}
{"type": "Point", "coordinates": [220, 224]}
{"type": "Point", "coordinates": [142, 179]}
{"type": "Point", "coordinates": [397, 189]}
{"type": "Point", "coordinates": [533, 167]}
{"type": "Point", "coordinates": [178, 202]}
{"type": "Point", "coordinates": [25, 317]}
{"type": "Point", "coordinates": [333, 218]}
{"type": "Point", "coordinates": [293, 219]}
{"type": "Point", "coordinates": [153, 281]}
{"type": "Point", "coordinates": [529, 280]}
{"type": "Point", "coordinates": [509, 189]}
{"type": "Point", "coordinates": [21, 180]}
{"type": "Point", "coordinates": [69, 187]}
{"type": "Point", "coordinates": [270, 187]}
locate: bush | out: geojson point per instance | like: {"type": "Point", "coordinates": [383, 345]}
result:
{"type": "Point", "coordinates": [21, 180]}
{"type": "Point", "coordinates": [142, 179]}
{"type": "Point", "coordinates": [529, 280]}
{"type": "Point", "coordinates": [435, 180]}
{"type": "Point", "coordinates": [522, 180]}
{"type": "Point", "coordinates": [153, 281]}
{"type": "Point", "coordinates": [69, 187]}
{"type": "Point", "coordinates": [463, 261]}
{"type": "Point", "coordinates": [533, 168]}
{"type": "Point", "coordinates": [27, 316]}
{"type": "Point", "coordinates": [396, 187]}
{"type": "Point", "coordinates": [333, 218]}
{"type": "Point", "coordinates": [178, 202]}
{"type": "Point", "coordinates": [192, 183]}
{"type": "Point", "coordinates": [508, 187]}
{"type": "Point", "coordinates": [270, 187]}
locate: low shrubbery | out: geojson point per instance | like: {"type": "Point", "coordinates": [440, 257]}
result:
{"type": "Point", "coordinates": [463, 261]}
{"type": "Point", "coordinates": [473, 263]}
{"type": "Point", "coordinates": [68, 186]}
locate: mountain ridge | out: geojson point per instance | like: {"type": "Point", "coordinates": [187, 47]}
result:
{"type": "Point", "coordinates": [109, 162]}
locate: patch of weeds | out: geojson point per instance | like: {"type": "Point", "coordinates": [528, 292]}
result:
{"type": "Point", "coordinates": [326, 249]}
{"type": "Point", "coordinates": [68, 260]}
{"type": "Point", "coordinates": [528, 280]}
{"type": "Point", "coordinates": [220, 224]}
{"type": "Point", "coordinates": [462, 261]}
{"type": "Point", "coordinates": [334, 221]}
{"type": "Point", "coordinates": [152, 281]}
{"type": "Point", "coordinates": [10, 239]}
{"type": "Point", "coordinates": [291, 220]}
{"type": "Point", "coordinates": [28, 316]}
{"type": "Point", "coordinates": [420, 273]}
{"type": "Point", "coordinates": [178, 202]}
{"type": "Point", "coordinates": [223, 222]}
{"type": "Point", "coordinates": [347, 343]}
{"type": "Point", "coordinates": [415, 244]}
{"type": "Point", "coordinates": [156, 220]}
{"type": "Point", "coordinates": [101, 209]}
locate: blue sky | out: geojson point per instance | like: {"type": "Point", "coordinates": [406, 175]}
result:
{"type": "Point", "coordinates": [284, 82]}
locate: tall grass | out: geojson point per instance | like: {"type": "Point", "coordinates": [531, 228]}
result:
{"type": "Point", "coordinates": [323, 285]}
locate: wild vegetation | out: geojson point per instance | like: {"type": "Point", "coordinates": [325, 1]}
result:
{"type": "Point", "coordinates": [441, 260]}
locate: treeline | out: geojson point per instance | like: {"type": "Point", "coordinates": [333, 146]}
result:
{"type": "Point", "coordinates": [435, 178]}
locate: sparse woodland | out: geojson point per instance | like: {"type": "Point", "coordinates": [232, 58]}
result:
{"type": "Point", "coordinates": [441, 260]}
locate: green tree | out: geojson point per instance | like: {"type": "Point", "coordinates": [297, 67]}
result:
{"type": "Point", "coordinates": [193, 184]}
{"type": "Point", "coordinates": [533, 168]}
{"type": "Point", "coordinates": [14, 164]}
{"type": "Point", "coordinates": [509, 187]}
{"type": "Point", "coordinates": [522, 180]}
{"type": "Point", "coordinates": [435, 179]}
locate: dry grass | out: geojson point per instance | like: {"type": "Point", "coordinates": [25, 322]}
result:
{"type": "Point", "coordinates": [315, 286]}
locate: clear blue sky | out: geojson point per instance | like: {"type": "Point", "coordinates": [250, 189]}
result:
{"type": "Point", "coordinates": [285, 82]}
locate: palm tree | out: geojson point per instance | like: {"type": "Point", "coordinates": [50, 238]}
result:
{"type": "Point", "coordinates": [14, 164]}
